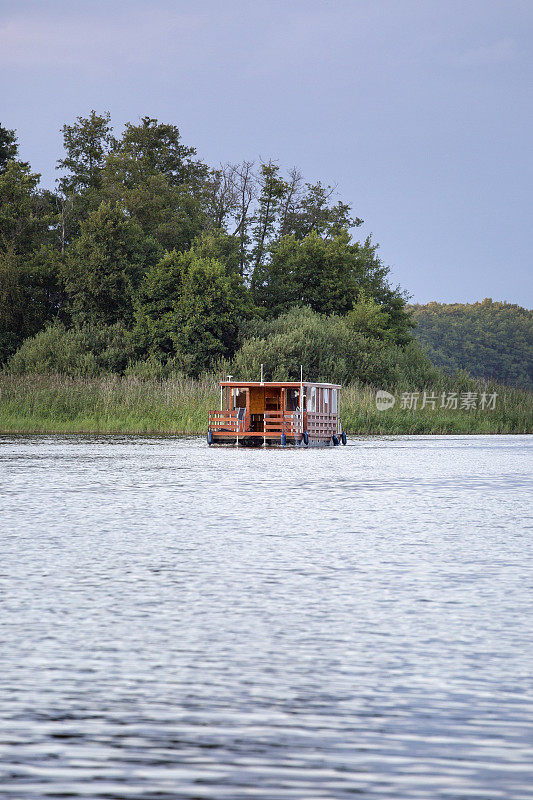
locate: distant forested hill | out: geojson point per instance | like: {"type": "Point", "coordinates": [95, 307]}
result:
{"type": "Point", "coordinates": [488, 339]}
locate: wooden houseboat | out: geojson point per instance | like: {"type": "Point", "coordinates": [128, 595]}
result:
{"type": "Point", "coordinates": [276, 412]}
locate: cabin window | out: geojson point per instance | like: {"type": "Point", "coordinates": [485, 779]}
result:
{"type": "Point", "coordinates": [326, 401]}
{"type": "Point", "coordinates": [311, 399]}
{"type": "Point", "coordinates": [293, 397]}
{"type": "Point", "coordinates": [333, 401]}
{"type": "Point", "coordinates": [238, 398]}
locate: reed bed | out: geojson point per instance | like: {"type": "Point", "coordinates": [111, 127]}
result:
{"type": "Point", "coordinates": [110, 404]}
{"type": "Point", "coordinates": [513, 413]}
{"type": "Point", "coordinates": [180, 405]}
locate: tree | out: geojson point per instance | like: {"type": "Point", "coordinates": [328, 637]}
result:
{"type": "Point", "coordinates": [267, 206]}
{"type": "Point", "coordinates": [313, 212]}
{"type": "Point", "coordinates": [87, 143]}
{"type": "Point", "coordinates": [29, 291]}
{"type": "Point", "coordinates": [220, 246]}
{"type": "Point", "coordinates": [8, 147]}
{"type": "Point", "coordinates": [105, 266]}
{"type": "Point", "coordinates": [156, 147]}
{"type": "Point", "coordinates": [370, 318]}
{"type": "Point", "coordinates": [328, 275]}
{"type": "Point", "coordinates": [190, 308]}
{"type": "Point", "coordinates": [157, 181]}
{"type": "Point", "coordinates": [30, 295]}
{"type": "Point", "coordinates": [11, 303]}
{"type": "Point", "coordinates": [328, 347]}
{"type": "Point", "coordinates": [23, 218]}
{"type": "Point", "coordinates": [488, 339]}
{"type": "Point", "coordinates": [272, 190]}
{"type": "Point", "coordinates": [232, 189]}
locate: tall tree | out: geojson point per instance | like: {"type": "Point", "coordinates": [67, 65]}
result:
{"type": "Point", "coordinates": [87, 143]}
{"type": "Point", "coordinates": [156, 147]}
{"type": "Point", "coordinates": [313, 211]}
{"type": "Point", "coordinates": [272, 190]}
{"type": "Point", "coordinates": [8, 147]}
{"type": "Point", "coordinates": [29, 280]}
{"type": "Point", "coordinates": [105, 265]}
{"type": "Point", "coordinates": [244, 192]}
{"type": "Point", "coordinates": [190, 308]}
{"type": "Point", "coordinates": [328, 275]}
{"type": "Point", "coordinates": [159, 183]}
{"type": "Point", "coordinates": [23, 223]}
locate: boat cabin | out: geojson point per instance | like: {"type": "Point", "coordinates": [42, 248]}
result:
{"type": "Point", "coordinates": [276, 412]}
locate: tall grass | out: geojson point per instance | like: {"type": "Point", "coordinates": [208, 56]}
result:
{"type": "Point", "coordinates": [513, 413]}
{"type": "Point", "coordinates": [56, 403]}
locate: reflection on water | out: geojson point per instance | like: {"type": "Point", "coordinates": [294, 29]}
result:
{"type": "Point", "coordinates": [186, 622]}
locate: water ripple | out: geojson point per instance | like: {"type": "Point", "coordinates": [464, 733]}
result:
{"type": "Point", "coordinates": [184, 622]}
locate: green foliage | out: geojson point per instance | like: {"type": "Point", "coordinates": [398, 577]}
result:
{"type": "Point", "coordinates": [86, 143]}
{"type": "Point", "coordinates": [328, 275]}
{"type": "Point", "coordinates": [12, 328]}
{"type": "Point", "coordinates": [8, 147]}
{"type": "Point", "coordinates": [330, 348]}
{"type": "Point", "coordinates": [219, 246]}
{"type": "Point", "coordinates": [143, 235]}
{"type": "Point", "coordinates": [170, 214]}
{"type": "Point", "coordinates": [30, 295]}
{"type": "Point", "coordinates": [157, 180]}
{"type": "Point", "coordinates": [370, 318]}
{"type": "Point", "coordinates": [29, 290]}
{"type": "Point", "coordinates": [488, 339]}
{"type": "Point", "coordinates": [190, 308]}
{"type": "Point", "coordinates": [156, 148]}
{"type": "Point", "coordinates": [313, 212]}
{"type": "Point", "coordinates": [272, 190]}
{"type": "Point", "coordinates": [105, 266]}
{"type": "Point", "coordinates": [23, 218]}
{"type": "Point", "coordinates": [408, 368]}
{"type": "Point", "coordinates": [87, 350]}
{"type": "Point", "coordinates": [284, 209]}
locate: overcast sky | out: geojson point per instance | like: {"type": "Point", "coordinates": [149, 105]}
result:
{"type": "Point", "coordinates": [418, 110]}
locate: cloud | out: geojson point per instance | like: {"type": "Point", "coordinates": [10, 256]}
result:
{"type": "Point", "coordinates": [90, 41]}
{"type": "Point", "coordinates": [496, 53]}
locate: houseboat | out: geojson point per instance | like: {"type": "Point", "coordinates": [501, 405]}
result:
{"type": "Point", "coordinates": [276, 413]}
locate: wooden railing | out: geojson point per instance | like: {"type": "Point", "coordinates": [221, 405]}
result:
{"type": "Point", "coordinates": [225, 421]}
{"type": "Point", "coordinates": [322, 425]}
{"type": "Point", "coordinates": [278, 422]}
{"type": "Point", "coordinates": [318, 425]}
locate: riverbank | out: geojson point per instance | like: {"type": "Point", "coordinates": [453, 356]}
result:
{"type": "Point", "coordinates": [114, 404]}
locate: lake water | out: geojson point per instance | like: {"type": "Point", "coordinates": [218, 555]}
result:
{"type": "Point", "coordinates": [179, 621]}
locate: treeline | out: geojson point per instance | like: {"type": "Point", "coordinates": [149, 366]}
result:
{"type": "Point", "coordinates": [487, 339]}
{"type": "Point", "coordinates": [146, 260]}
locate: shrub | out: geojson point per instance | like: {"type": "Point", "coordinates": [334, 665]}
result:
{"type": "Point", "coordinates": [330, 348]}
{"type": "Point", "coordinates": [85, 351]}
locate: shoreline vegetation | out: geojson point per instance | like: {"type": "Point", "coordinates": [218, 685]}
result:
{"type": "Point", "coordinates": [39, 404]}
{"type": "Point", "coordinates": [146, 274]}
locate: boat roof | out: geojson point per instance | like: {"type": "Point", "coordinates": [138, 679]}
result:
{"type": "Point", "coordinates": [278, 384]}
